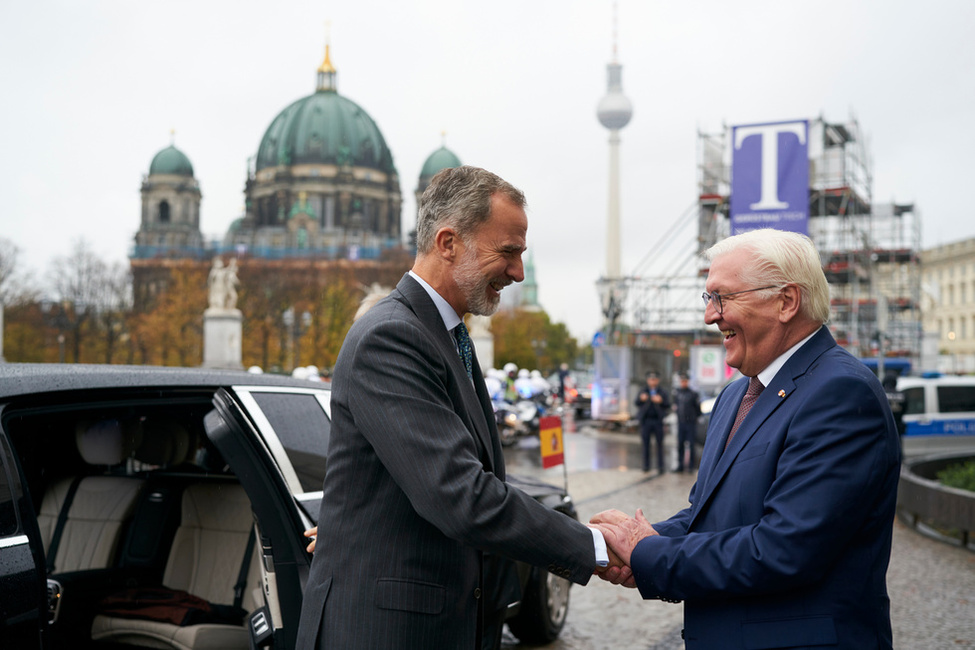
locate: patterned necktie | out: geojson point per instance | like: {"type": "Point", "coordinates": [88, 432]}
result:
{"type": "Point", "coordinates": [464, 348]}
{"type": "Point", "coordinates": [751, 395]}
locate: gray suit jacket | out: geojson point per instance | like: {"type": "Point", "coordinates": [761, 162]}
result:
{"type": "Point", "coordinates": [415, 493]}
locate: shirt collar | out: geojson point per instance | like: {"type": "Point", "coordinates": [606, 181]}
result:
{"type": "Point", "coordinates": [767, 375]}
{"type": "Point", "coordinates": [447, 313]}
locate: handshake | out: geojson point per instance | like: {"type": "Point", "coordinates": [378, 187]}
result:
{"type": "Point", "coordinates": [622, 533]}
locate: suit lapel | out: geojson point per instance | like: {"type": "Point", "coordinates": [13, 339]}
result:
{"type": "Point", "coordinates": [485, 402]}
{"type": "Point", "coordinates": [717, 460]}
{"type": "Point", "coordinates": [474, 413]}
{"type": "Point", "coordinates": [719, 426]}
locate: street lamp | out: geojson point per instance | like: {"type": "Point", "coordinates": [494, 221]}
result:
{"type": "Point", "coordinates": [56, 314]}
{"type": "Point", "coordinates": [296, 328]}
{"type": "Point", "coordinates": [612, 298]}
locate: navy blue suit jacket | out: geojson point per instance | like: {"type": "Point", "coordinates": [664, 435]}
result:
{"type": "Point", "coordinates": [787, 538]}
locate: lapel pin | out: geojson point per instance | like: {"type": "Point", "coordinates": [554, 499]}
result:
{"type": "Point", "coordinates": [781, 393]}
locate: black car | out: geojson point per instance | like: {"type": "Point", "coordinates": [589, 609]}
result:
{"type": "Point", "coordinates": [164, 507]}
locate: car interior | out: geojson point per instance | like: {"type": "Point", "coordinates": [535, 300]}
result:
{"type": "Point", "coordinates": [149, 537]}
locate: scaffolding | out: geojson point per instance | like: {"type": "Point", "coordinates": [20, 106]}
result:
{"type": "Point", "coordinates": [870, 252]}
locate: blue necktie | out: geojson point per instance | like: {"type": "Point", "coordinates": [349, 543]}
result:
{"type": "Point", "coordinates": [464, 348]}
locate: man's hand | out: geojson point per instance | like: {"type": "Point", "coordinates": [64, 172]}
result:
{"type": "Point", "coordinates": [311, 533]}
{"type": "Point", "coordinates": [616, 571]}
{"type": "Point", "coordinates": [622, 532]}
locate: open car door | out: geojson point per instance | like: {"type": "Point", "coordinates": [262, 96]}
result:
{"type": "Point", "coordinates": [284, 563]}
{"type": "Point", "coordinates": [23, 599]}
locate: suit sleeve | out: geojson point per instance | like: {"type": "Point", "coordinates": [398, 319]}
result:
{"type": "Point", "coordinates": [400, 401]}
{"type": "Point", "coordinates": [832, 466]}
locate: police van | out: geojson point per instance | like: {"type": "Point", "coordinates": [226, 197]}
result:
{"type": "Point", "coordinates": [939, 414]}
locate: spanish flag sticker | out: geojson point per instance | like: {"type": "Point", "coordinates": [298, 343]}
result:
{"type": "Point", "coordinates": [550, 437]}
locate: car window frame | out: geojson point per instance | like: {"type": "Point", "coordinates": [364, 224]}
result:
{"type": "Point", "coordinates": [275, 448]}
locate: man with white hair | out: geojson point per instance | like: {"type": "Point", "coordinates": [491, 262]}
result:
{"type": "Point", "coordinates": [787, 538]}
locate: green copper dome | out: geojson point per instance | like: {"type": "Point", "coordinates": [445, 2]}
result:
{"type": "Point", "coordinates": [171, 161]}
{"type": "Point", "coordinates": [442, 158]}
{"type": "Point", "coordinates": [324, 128]}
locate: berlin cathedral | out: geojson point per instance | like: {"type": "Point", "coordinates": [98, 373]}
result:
{"type": "Point", "coordinates": [322, 190]}
{"type": "Point", "coordinates": [321, 228]}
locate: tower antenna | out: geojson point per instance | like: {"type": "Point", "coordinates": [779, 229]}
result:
{"type": "Point", "coordinates": [615, 25]}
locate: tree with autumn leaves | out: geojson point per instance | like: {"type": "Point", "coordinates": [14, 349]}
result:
{"type": "Point", "coordinates": [321, 303]}
{"type": "Point", "coordinates": [529, 339]}
{"type": "Point", "coordinates": [295, 312]}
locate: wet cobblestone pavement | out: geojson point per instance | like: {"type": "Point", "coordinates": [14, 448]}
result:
{"type": "Point", "coordinates": [931, 583]}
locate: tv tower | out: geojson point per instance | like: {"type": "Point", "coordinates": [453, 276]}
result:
{"type": "Point", "coordinates": [614, 112]}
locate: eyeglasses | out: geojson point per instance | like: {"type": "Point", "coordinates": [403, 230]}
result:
{"type": "Point", "coordinates": [716, 297]}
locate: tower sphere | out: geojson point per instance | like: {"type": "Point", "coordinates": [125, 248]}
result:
{"type": "Point", "coordinates": [614, 111]}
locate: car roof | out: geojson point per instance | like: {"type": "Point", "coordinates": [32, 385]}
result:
{"type": "Point", "coordinates": [33, 378]}
{"type": "Point", "coordinates": [912, 382]}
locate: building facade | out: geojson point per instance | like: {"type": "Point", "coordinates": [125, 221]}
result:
{"type": "Point", "coordinates": [948, 285]}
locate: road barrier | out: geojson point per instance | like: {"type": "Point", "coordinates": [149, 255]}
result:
{"type": "Point", "coordinates": [932, 508]}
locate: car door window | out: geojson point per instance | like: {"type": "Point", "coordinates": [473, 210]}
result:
{"type": "Point", "coordinates": [303, 429]}
{"type": "Point", "coordinates": [956, 399]}
{"type": "Point", "coordinates": [914, 400]}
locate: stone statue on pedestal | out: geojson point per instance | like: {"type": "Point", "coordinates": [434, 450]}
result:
{"type": "Point", "coordinates": [223, 284]}
{"type": "Point", "coordinates": [222, 322]}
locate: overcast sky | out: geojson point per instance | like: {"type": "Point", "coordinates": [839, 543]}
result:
{"type": "Point", "coordinates": [92, 89]}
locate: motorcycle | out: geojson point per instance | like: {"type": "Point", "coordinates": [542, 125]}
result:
{"type": "Point", "coordinates": [523, 417]}
{"type": "Point", "coordinates": [519, 418]}
{"type": "Point", "coordinates": [511, 428]}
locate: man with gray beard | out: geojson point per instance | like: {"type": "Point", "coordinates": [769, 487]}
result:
{"type": "Point", "coordinates": [416, 517]}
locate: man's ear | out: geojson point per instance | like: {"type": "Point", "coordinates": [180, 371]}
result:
{"type": "Point", "coordinates": [446, 242]}
{"type": "Point", "coordinates": [790, 302]}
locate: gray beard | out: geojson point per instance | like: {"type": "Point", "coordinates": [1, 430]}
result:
{"type": "Point", "coordinates": [474, 286]}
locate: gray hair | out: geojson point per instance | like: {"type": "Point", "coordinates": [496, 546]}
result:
{"type": "Point", "coordinates": [781, 257]}
{"type": "Point", "coordinates": [459, 198]}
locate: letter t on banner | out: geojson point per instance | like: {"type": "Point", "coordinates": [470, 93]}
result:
{"type": "Point", "coordinates": [770, 177]}
{"type": "Point", "coordinates": [550, 437]}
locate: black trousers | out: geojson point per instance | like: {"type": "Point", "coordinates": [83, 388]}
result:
{"type": "Point", "coordinates": [655, 428]}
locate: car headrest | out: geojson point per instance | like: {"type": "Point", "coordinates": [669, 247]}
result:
{"type": "Point", "coordinates": [164, 442]}
{"type": "Point", "coordinates": [106, 442]}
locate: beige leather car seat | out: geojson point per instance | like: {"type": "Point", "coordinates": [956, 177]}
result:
{"type": "Point", "coordinates": [100, 505]}
{"type": "Point", "coordinates": [205, 560]}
